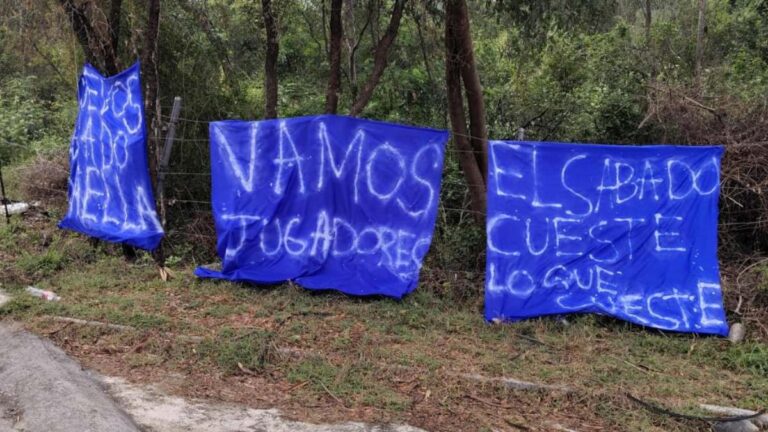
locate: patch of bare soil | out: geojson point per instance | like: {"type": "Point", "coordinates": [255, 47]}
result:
{"type": "Point", "coordinates": [163, 413]}
{"type": "Point", "coordinates": [435, 401]}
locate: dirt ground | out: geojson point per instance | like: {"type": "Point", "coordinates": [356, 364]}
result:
{"type": "Point", "coordinates": [429, 360]}
{"type": "Point", "coordinates": [43, 389]}
{"type": "Point", "coordinates": [159, 412]}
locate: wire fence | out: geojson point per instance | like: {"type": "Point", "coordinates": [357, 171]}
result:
{"type": "Point", "coordinates": [189, 177]}
{"type": "Point", "coordinates": [204, 142]}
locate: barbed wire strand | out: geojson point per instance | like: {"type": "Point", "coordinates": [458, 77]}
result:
{"type": "Point", "coordinates": [732, 145]}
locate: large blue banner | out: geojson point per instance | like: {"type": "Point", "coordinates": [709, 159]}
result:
{"type": "Point", "coordinates": [110, 194]}
{"type": "Point", "coordinates": [328, 201]}
{"type": "Point", "coordinates": [625, 231]}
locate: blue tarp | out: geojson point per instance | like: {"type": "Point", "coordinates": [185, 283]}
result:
{"type": "Point", "coordinates": [331, 202]}
{"type": "Point", "coordinates": [625, 231]}
{"type": "Point", "coordinates": [110, 193]}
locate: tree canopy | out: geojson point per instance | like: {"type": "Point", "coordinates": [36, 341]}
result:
{"type": "Point", "coordinates": [618, 71]}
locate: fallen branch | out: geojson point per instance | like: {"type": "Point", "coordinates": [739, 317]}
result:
{"type": "Point", "coordinates": [297, 386]}
{"type": "Point", "coordinates": [245, 370]}
{"type": "Point", "coordinates": [760, 420]}
{"type": "Point", "coordinates": [660, 410]}
{"type": "Point", "coordinates": [118, 327]}
{"type": "Point", "coordinates": [51, 333]}
{"type": "Point", "coordinates": [487, 402]}
{"type": "Point", "coordinates": [329, 392]}
{"type": "Point", "coordinates": [559, 427]}
{"type": "Point", "coordinates": [516, 384]}
{"type": "Point", "coordinates": [641, 368]}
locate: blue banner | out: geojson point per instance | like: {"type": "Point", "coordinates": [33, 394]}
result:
{"type": "Point", "coordinates": [110, 193]}
{"type": "Point", "coordinates": [331, 202]}
{"type": "Point", "coordinates": [625, 231]}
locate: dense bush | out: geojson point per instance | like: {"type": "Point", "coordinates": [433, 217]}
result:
{"type": "Point", "coordinates": [30, 123]}
{"type": "Point", "coordinates": [564, 70]}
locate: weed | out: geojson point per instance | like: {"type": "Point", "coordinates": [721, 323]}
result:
{"type": "Point", "coordinates": [146, 321]}
{"type": "Point", "coordinates": [229, 350]}
{"type": "Point", "coordinates": [42, 265]}
{"type": "Point", "coordinates": [750, 356]}
{"type": "Point", "coordinates": [372, 353]}
{"type": "Point", "coordinates": [18, 306]}
{"type": "Point", "coordinates": [136, 360]}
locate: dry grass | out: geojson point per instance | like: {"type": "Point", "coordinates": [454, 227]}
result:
{"type": "Point", "coordinates": [684, 116]}
{"type": "Point", "coordinates": [44, 178]}
{"type": "Point", "coordinates": [327, 357]}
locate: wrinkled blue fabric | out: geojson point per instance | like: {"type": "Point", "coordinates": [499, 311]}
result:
{"type": "Point", "coordinates": [110, 193]}
{"type": "Point", "coordinates": [330, 202]}
{"type": "Point", "coordinates": [625, 231]}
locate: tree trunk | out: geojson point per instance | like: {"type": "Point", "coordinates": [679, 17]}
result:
{"type": "Point", "coordinates": [648, 49]}
{"type": "Point", "coordinates": [349, 39]}
{"type": "Point", "coordinates": [98, 51]}
{"type": "Point", "coordinates": [648, 16]}
{"type": "Point", "coordinates": [220, 48]}
{"type": "Point", "coordinates": [334, 58]}
{"type": "Point", "coordinates": [453, 78]}
{"type": "Point", "coordinates": [700, 41]}
{"type": "Point", "coordinates": [474, 90]}
{"type": "Point", "coordinates": [151, 98]}
{"type": "Point", "coordinates": [423, 46]}
{"type": "Point", "coordinates": [150, 78]}
{"type": "Point", "coordinates": [114, 25]}
{"type": "Point", "coordinates": [270, 63]}
{"type": "Point", "coordinates": [380, 58]}
{"type": "Point", "coordinates": [83, 31]}
{"type": "Point", "coordinates": [323, 13]}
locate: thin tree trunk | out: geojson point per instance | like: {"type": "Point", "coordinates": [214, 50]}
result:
{"type": "Point", "coordinates": [349, 13]}
{"type": "Point", "coordinates": [104, 35]}
{"type": "Point", "coordinates": [423, 45]}
{"type": "Point", "coordinates": [467, 161]}
{"type": "Point", "coordinates": [474, 89]}
{"type": "Point", "coordinates": [334, 58]}
{"type": "Point", "coordinates": [375, 12]}
{"type": "Point", "coordinates": [647, 23]}
{"type": "Point", "coordinates": [648, 13]}
{"type": "Point", "coordinates": [380, 58]}
{"type": "Point", "coordinates": [270, 63]}
{"type": "Point", "coordinates": [151, 97]}
{"type": "Point", "coordinates": [115, 11]}
{"type": "Point", "coordinates": [98, 51]}
{"type": "Point", "coordinates": [83, 31]}
{"type": "Point", "coordinates": [700, 40]}
{"type": "Point", "coordinates": [150, 77]}
{"type": "Point", "coordinates": [216, 42]}
{"type": "Point", "coordinates": [323, 13]}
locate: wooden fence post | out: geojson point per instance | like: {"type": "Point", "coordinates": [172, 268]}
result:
{"type": "Point", "coordinates": [3, 198]}
{"type": "Point", "coordinates": [165, 159]}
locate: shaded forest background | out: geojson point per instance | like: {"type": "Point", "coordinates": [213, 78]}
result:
{"type": "Point", "coordinates": [605, 71]}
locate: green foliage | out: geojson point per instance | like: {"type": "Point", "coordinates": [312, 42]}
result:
{"type": "Point", "coordinates": [564, 70]}
{"type": "Point", "coordinates": [355, 380]}
{"type": "Point", "coordinates": [231, 350]}
{"type": "Point", "coordinates": [18, 306]}
{"type": "Point", "coordinates": [42, 264]}
{"type": "Point", "coordinates": [750, 356]}
{"type": "Point", "coordinates": [28, 122]}
{"type": "Point", "coordinates": [21, 116]}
